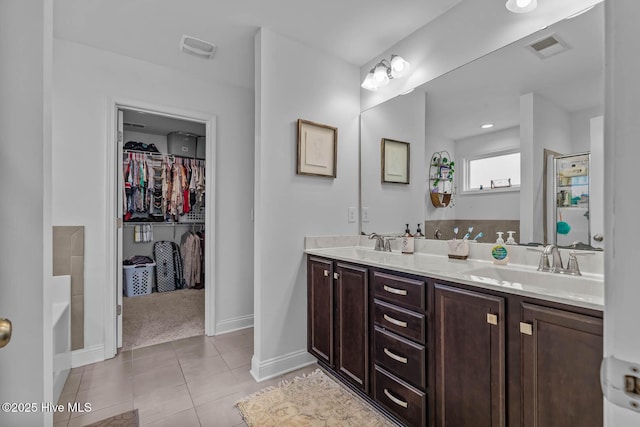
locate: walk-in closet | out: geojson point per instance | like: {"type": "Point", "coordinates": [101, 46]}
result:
{"type": "Point", "coordinates": [162, 188]}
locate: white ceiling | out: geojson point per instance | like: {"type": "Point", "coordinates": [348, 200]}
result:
{"type": "Point", "coordinates": [353, 30]}
{"type": "Point", "coordinates": [488, 90]}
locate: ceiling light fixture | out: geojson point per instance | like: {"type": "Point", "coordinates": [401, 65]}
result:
{"type": "Point", "coordinates": [521, 6]}
{"type": "Point", "coordinates": [487, 126]}
{"type": "Point", "coordinates": [384, 71]}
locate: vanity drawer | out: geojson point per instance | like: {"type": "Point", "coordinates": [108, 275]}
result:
{"type": "Point", "coordinates": [399, 290]}
{"type": "Point", "coordinates": [406, 402]}
{"type": "Point", "coordinates": [400, 357]}
{"type": "Point", "coordinates": [407, 323]}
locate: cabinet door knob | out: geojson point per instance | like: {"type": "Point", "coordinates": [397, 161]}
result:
{"type": "Point", "coordinates": [526, 328]}
{"type": "Point", "coordinates": [326, 273]}
{"type": "Point", "coordinates": [492, 319]}
{"type": "Point", "coordinates": [336, 276]}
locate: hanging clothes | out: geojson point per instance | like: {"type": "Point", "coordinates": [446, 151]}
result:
{"type": "Point", "coordinates": [191, 251]}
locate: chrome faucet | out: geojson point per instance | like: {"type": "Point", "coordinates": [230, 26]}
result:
{"type": "Point", "coordinates": [557, 260]}
{"type": "Point", "coordinates": [379, 241]}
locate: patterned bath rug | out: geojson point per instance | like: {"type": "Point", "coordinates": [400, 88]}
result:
{"type": "Point", "coordinates": [309, 401]}
{"type": "Point", "coordinates": [126, 419]}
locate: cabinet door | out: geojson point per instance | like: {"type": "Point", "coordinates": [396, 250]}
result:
{"type": "Point", "coordinates": [561, 368]}
{"type": "Point", "coordinates": [320, 309]}
{"type": "Point", "coordinates": [352, 332]}
{"type": "Point", "coordinates": [469, 359]}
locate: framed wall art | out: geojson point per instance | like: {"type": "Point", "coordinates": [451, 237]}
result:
{"type": "Point", "coordinates": [317, 149]}
{"type": "Point", "coordinates": [395, 161]}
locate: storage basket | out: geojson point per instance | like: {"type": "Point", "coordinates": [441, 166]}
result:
{"type": "Point", "coordinates": [196, 215]}
{"type": "Point", "coordinates": [138, 279]}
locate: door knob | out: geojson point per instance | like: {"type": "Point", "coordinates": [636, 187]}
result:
{"type": "Point", "coordinates": [5, 332]}
{"type": "Point", "coordinates": [598, 237]}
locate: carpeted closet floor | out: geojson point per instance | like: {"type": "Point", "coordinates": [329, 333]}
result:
{"type": "Point", "coordinates": [161, 317]}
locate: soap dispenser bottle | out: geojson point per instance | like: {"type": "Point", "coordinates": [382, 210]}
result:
{"type": "Point", "coordinates": [418, 234]}
{"type": "Point", "coordinates": [510, 239]}
{"type": "Point", "coordinates": [499, 253]}
{"type": "Point", "coordinates": [407, 241]}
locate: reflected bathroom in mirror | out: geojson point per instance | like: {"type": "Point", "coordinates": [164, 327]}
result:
{"type": "Point", "coordinates": [542, 94]}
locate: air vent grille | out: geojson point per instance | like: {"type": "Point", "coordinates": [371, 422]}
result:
{"type": "Point", "coordinates": [548, 46]}
{"type": "Point", "coordinates": [197, 47]}
{"type": "Point", "coordinates": [133, 125]}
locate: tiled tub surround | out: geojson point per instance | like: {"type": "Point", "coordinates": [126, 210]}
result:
{"type": "Point", "coordinates": [520, 276]}
{"type": "Point", "coordinates": [488, 226]}
{"type": "Point", "coordinates": [68, 260]}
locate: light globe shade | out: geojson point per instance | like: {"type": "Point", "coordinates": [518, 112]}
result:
{"type": "Point", "coordinates": [369, 82]}
{"type": "Point", "coordinates": [380, 75]}
{"type": "Point", "coordinates": [399, 67]}
{"type": "Point", "coordinates": [521, 6]}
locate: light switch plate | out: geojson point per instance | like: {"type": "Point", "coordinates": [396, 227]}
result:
{"type": "Point", "coordinates": [352, 214]}
{"type": "Point", "coordinates": [365, 214]}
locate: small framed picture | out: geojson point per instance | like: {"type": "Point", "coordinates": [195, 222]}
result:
{"type": "Point", "coordinates": [395, 161]}
{"type": "Point", "coordinates": [317, 149]}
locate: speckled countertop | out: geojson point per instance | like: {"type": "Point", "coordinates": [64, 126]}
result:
{"type": "Point", "coordinates": [430, 260]}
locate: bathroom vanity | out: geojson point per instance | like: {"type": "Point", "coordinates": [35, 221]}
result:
{"type": "Point", "coordinates": [433, 341]}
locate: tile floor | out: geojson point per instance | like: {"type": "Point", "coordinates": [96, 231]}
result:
{"type": "Point", "coordinates": [188, 382]}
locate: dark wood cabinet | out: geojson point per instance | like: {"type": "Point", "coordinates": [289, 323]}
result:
{"type": "Point", "coordinates": [351, 326]}
{"type": "Point", "coordinates": [439, 353]}
{"type": "Point", "coordinates": [470, 358]}
{"type": "Point", "coordinates": [320, 318]}
{"type": "Point", "coordinates": [337, 311]}
{"type": "Point", "coordinates": [561, 355]}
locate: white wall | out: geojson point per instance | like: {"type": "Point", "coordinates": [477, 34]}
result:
{"type": "Point", "coordinates": [487, 205]}
{"type": "Point", "coordinates": [622, 152]}
{"type": "Point", "coordinates": [84, 80]}
{"type": "Point", "coordinates": [581, 128]}
{"type": "Point", "coordinates": [391, 206]}
{"type": "Point", "coordinates": [25, 220]}
{"type": "Point", "coordinates": [294, 81]}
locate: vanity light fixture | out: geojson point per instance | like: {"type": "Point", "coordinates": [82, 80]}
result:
{"type": "Point", "coordinates": [521, 6]}
{"type": "Point", "coordinates": [487, 126]}
{"type": "Point", "coordinates": [384, 71]}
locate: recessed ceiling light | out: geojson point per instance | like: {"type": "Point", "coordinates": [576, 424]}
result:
{"type": "Point", "coordinates": [487, 126]}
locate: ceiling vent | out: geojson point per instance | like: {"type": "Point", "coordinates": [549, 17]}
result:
{"type": "Point", "coordinates": [197, 47]}
{"type": "Point", "coordinates": [548, 46]}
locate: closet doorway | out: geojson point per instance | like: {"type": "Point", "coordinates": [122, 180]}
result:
{"type": "Point", "coordinates": [164, 202]}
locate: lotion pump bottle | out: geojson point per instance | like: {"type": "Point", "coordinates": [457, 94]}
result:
{"type": "Point", "coordinates": [510, 239]}
{"type": "Point", "coordinates": [499, 253]}
{"type": "Point", "coordinates": [407, 241]}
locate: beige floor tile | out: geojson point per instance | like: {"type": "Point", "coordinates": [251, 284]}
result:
{"type": "Point", "coordinates": [161, 359]}
{"type": "Point", "coordinates": [109, 374]}
{"type": "Point", "coordinates": [78, 370]}
{"type": "Point", "coordinates": [189, 342]}
{"type": "Point", "coordinates": [221, 412]}
{"type": "Point", "coordinates": [300, 372]}
{"type": "Point", "coordinates": [237, 358]}
{"type": "Point", "coordinates": [159, 377]}
{"type": "Point", "coordinates": [226, 344]}
{"type": "Point", "coordinates": [197, 351]}
{"type": "Point", "coordinates": [97, 415]}
{"type": "Point", "coordinates": [101, 397]}
{"type": "Point", "coordinates": [187, 418]}
{"type": "Point", "coordinates": [212, 387]}
{"type": "Point", "coordinates": [115, 361]}
{"type": "Point", "coordinates": [152, 349]}
{"type": "Point", "coordinates": [64, 399]}
{"type": "Point", "coordinates": [199, 368]}
{"type": "Point", "coordinates": [60, 423]}
{"type": "Point", "coordinates": [72, 384]}
{"type": "Point", "coordinates": [163, 402]}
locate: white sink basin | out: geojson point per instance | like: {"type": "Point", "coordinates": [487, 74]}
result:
{"type": "Point", "coordinates": [576, 287]}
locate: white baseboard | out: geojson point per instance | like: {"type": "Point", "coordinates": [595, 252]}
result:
{"type": "Point", "coordinates": [87, 356]}
{"type": "Point", "coordinates": [280, 365]}
{"type": "Point", "coordinates": [234, 324]}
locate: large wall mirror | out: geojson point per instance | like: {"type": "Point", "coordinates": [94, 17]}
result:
{"type": "Point", "coordinates": [543, 96]}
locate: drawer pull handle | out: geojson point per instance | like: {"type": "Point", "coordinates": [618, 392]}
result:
{"type": "Point", "coordinates": [395, 399]}
{"type": "Point", "coordinates": [395, 321]}
{"type": "Point", "coordinates": [395, 356]}
{"type": "Point", "coordinates": [395, 290]}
